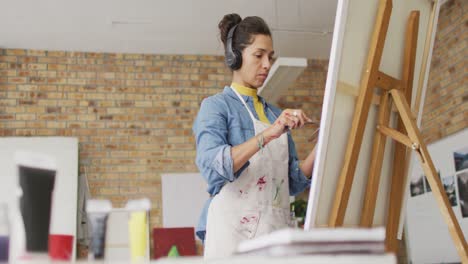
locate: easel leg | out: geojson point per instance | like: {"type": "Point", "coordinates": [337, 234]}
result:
{"type": "Point", "coordinates": [401, 152]}
{"type": "Point", "coordinates": [431, 174]}
{"type": "Point", "coordinates": [378, 148]}
{"type": "Point", "coordinates": [396, 193]}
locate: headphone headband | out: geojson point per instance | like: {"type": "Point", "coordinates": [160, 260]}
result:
{"type": "Point", "coordinates": [233, 57]}
{"type": "Point", "coordinates": [231, 33]}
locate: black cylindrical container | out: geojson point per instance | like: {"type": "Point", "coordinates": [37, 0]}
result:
{"type": "Point", "coordinates": [35, 205]}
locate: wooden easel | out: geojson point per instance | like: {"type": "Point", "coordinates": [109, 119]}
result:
{"type": "Point", "coordinates": [407, 137]}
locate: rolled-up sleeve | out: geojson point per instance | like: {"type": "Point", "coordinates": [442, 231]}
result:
{"type": "Point", "coordinates": [213, 149]}
{"type": "Point", "coordinates": [297, 180]}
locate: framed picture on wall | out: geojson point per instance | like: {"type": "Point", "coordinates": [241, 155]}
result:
{"type": "Point", "coordinates": [417, 185]}
{"type": "Point", "coordinates": [460, 159]}
{"type": "Point", "coordinates": [462, 181]}
{"type": "Point", "coordinates": [426, 183]}
{"type": "Point", "coordinates": [449, 186]}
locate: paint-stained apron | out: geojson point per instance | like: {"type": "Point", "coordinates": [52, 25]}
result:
{"type": "Point", "coordinates": [256, 203]}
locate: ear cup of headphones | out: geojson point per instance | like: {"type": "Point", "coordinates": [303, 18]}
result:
{"type": "Point", "coordinates": [234, 60]}
{"type": "Point", "coordinates": [230, 59]}
{"type": "Point", "coordinates": [233, 57]}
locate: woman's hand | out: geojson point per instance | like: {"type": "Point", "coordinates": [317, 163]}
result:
{"type": "Point", "coordinates": [289, 119]}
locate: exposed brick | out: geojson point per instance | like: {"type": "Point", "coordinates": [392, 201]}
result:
{"type": "Point", "coordinates": [15, 52]}
{"type": "Point", "coordinates": [37, 66]}
{"type": "Point", "coordinates": [4, 58]}
{"type": "Point", "coordinates": [7, 117]}
{"type": "Point", "coordinates": [446, 87]}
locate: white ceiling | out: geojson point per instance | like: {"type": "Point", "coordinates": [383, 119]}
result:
{"type": "Point", "coordinates": [301, 28]}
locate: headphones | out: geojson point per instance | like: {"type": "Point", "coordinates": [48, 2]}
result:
{"type": "Point", "coordinates": [232, 57]}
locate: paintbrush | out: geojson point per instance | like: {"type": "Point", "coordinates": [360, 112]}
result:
{"type": "Point", "coordinates": [312, 122]}
{"type": "Point", "coordinates": [308, 122]}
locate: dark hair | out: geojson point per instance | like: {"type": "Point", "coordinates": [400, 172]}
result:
{"type": "Point", "coordinates": [246, 29]}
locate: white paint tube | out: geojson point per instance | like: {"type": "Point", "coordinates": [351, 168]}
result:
{"type": "Point", "coordinates": [138, 229]}
{"type": "Point", "coordinates": [97, 212]}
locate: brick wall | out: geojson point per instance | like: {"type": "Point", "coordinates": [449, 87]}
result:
{"type": "Point", "coordinates": [132, 113]}
{"type": "Point", "coordinates": [446, 103]}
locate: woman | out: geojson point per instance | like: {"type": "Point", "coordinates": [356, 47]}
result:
{"type": "Point", "coordinates": [244, 149]}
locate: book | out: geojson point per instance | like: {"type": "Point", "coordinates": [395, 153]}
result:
{"type": "Point", "coordinates": [316, 241]}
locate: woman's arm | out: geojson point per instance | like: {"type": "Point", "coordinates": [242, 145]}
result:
{"type": "Point", "coordinates": [308, 163]}
{"type": "Point", "coordinates": [242, 153]}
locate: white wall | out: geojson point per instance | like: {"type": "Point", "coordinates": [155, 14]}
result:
{"type": "Point", "coordinates": [428, 238]}
{"type": "Point", "coordinates": [183, 195]}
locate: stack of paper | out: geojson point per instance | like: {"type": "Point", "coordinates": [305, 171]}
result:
{"type": "Point", "coordinates": [333, 241]}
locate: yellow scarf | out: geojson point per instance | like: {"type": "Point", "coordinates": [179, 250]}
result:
{"type": "Point", "coordinates": [256, 102]}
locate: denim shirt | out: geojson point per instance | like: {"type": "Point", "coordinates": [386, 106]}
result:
{"type": "Point", "coordinates": [221, 123]}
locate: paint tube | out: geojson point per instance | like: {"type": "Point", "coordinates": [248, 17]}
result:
{"type": "Point", "coordinates": [36, 176]}
{"type": "Point", "coordinates": [4, 233]}
{"type": "Point", "coordinates": [4, 248]}
{"type": "Point", "coordinates": [138, 228]}
{"type": "Point", "coordinates": [97, 212]}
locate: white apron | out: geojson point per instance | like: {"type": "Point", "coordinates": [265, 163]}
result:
{"type": "Point", "coordinates": [256, 203]}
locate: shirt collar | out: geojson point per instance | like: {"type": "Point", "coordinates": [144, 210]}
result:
{"type": "Point", "coordinates": [228, 90]}
{"type": "Point", "coordinates": [245, 90]}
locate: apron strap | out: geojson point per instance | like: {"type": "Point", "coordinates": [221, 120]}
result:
{"type": "Point", "coordinates": [246, 107]}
